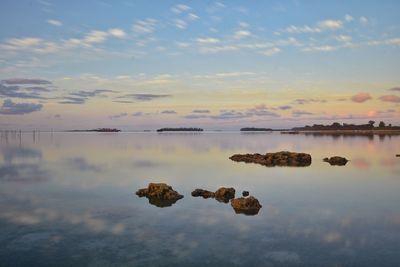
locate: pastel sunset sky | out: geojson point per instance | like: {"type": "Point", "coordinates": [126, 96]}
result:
{"type": "Point", "coordinates": [140, 65]}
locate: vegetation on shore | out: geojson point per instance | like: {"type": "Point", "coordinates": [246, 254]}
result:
{"type": "Point", "coordinates": [336, 126]}
{"type": "Point", "coordinates": [107, 130]}
{"type": "Point", "coordinates": [254, 129]}
{"type": "Point", "coordinates": [182, 129]}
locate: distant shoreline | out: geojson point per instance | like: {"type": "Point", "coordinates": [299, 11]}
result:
{"type": "Point", "coordinates": [344, 132]}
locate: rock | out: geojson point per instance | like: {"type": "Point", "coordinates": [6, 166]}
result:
{"type": "Point", "coordinates": [283, 158]}
{"type": "Point", "coordinates": [336, 160]}
{"type": "Point", "coordinates": [203, 193]}
{"type": "Point", "coordinates": [223, 194]}
{"type": "Point", "coordinates": [159, 194]}
{"type": "Point", "coordinates": [397, 155]}
{"type": "Point", "coordinates": [247, 206]}
{"type": "Point", "coordinates": [245, 193]}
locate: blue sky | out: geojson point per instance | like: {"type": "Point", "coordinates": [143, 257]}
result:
{"type": "Point", "coordinates": [145, 64]}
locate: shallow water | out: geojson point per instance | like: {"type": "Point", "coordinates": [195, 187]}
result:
{"type": "Point", "coordinates": [67, 199]}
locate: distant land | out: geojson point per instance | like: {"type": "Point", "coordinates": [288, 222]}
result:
{"type": "Point", "coordinates": [254, 129]}
{"type": "Point", "coordinates": [106, 130]}
{"type": "Point", "coordinates": [183, 129]}
{"type": "Point", "coordinates": [337, 128]}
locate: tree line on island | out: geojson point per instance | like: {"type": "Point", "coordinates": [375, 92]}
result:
{"type": "Point", "coordinates": [345, 126]}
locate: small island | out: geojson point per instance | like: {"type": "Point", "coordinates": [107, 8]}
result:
{"type": "Point", "coordinates": [347, 129]}
{"type": "Point", "coordinates": [254, 129]}
{"type": "Point", "coordinates": [182, 129]}
{"type": "Point", "coordinates": [103, 130]}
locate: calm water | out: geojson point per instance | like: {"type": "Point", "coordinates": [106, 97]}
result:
{"type": "Point", "coordinates": [67, 199]}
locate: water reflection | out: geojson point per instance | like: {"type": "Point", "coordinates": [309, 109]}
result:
{"type": "Point", "coordinates": [66, 200]}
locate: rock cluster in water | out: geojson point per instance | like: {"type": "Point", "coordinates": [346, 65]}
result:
{"type": "Point", "coordinates": [159, 194]}
{"type": "Point", "coordinates": [246, 205]}
{"type": "Point", "coordinates": [336, 161]}
{"type": "Point", "coordinates": [223, 194]}
{"type": "Point", "coordinates": [283, 158]}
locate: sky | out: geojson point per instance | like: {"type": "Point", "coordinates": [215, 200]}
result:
{"type": "Point", "coordinates": [220, 65]}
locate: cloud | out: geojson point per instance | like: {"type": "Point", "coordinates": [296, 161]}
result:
{"type": "Point", "coordinates": [24, 81]}
{"type": "Point", "coordinates": [241, 34]}
{"type": "Point", "coordinates": [390, 98]}
{"type": "Point", "coordinates": [302, 101]}
{"type": "Point", "coordinates": [320, 27]}
{"type": "Point", "coordinates": [180, 24]}
{"type": "Point", "coordinates": [298, 113]}
{"type": "Point", "coordinates": [11, 108]}
{"type": "Point", "coordinates": [54, 22]}
{"type": "Point", "coordinates": [324, 48]}
{"type": "Point", "coordinates": [145, 97]}
{"type": "Point", "coordinates": [208, 40]}
{"type": "Point", "coordinates": [73, 100]}
{"type": "Point", "coordinates": [91, 93]}
{"type": "Point", "coordinates": [361, 97]}
{"type": "Point", "coordinates": [180, 8]}
{"type": "Point", "coordinates": [284, 107]}
{"type": "Point", "coordinates": [272, 51]}
{"type": "Point", "coordinates": [348, 18]}
{"type": "Point", "coordinates": [117, 33]}
{"type": "Point", "coordinates": [330, 24]}
{"type": "Point", "coordinates": [117, 116]}
{"type": "Point", "coordinates": [201, 111]}
{"type": "Point", "coordinates": [22, 92]}
{"type": "Point", "coordinates": [144, 26]}
{"type": "Point", "coordinates": [363, 20]}
{"type": "Point", "coordinates": [344, 38]}
{"type": "Point", "coordinates": [137, 114]}
{"type": "Point", "coordinates": [195, 116]}
{"type": "Point", "coordinates": [168, 112]}
{"type": "Point", "coordinates": [192, 17]}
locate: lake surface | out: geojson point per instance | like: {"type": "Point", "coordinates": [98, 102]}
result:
{"type": "Point", "coordinates": [68, 199]}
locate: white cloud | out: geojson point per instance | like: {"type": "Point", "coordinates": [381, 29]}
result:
{"type": "Point", "coordinates": [363, 20]}
{"type": "Point", "coordinates": [325, 48]}
{"type": "Point", "coordinates": [144, 26]}
{"type": "Point", "coordinates": [218, 49]}
{"type": "Point", "coordinates": [243, 24]}
{"type": "Point", "coordinates": [208, 40]}
{"type": "Point", "coordinates": [348, 18]}
{"type": "Point", "coordinates": [94, 37]}
{"type": "Point", "coordinates": [180, 8]}
{"type": "Point", "coordinates": [180, 24]}
{"type": "Point", "coordinates": [320, 27]}
{"type": "Point", "coordinates": [302, 29]}
{"type": "Point", "coordinates": [117, 33]}
{"type": "Point", "coordinates": [192, 17]}
{"type": "Point", "coordinates": [330, 24]}
{"type": "Point", "coordinates": [182, 44]}
{"type": "Point", "coordinates": [54, 22]}
{"type": "Point", "coordinates": [272, 51]}
{"type": "Point", "coordinates": [241, 34]}
{"type": "Point", "coordinates": [343, 38]}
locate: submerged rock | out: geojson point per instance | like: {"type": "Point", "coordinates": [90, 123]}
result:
{"type": "Point", "coordinates": [247, 206]}
{"type": "Point", "coordinates": [159, 194]}
{"type": "Point", "coordinates": [283, 158]}
{"type": "Point", "coordinates": [223, 194]}
{"type": "Point", "coordinates": [336, 160]}
{"type": "Point", "coordinates": [245, 193]}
